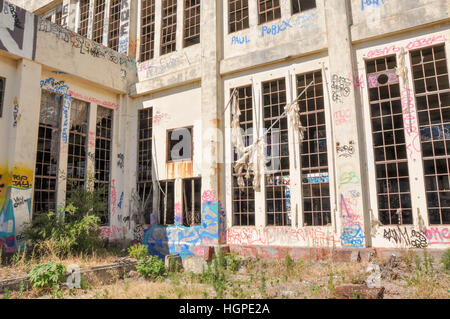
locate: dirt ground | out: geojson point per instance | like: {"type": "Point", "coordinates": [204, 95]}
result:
{"type": "Point", "coordinates": [406, 277]}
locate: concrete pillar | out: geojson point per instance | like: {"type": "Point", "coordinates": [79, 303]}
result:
{"type": "Point", "coordinates": [91, 146]}
{"type": "Point", "coordinates": [180, 24]}
{"type": "Point", "coordinates": [213, 186]}
{"type": "Point", "coordinates": [124, 31]}
{"type": "Point", "coordinates": [91, 19]}
{"type": "Point", "coordinates": [350, 217]}
{"type": "Point", "coordinates": [106, 23]}
{"type": "Point", "coordinates": [134, 24]}
{"type": "Point", "coordinates": [22, 146]}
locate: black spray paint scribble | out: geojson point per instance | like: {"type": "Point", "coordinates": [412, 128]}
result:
{"type": "Point", "coordinates": [406, 236]}
{"type": "Point", "coordinates": [121, 160]}
{"type": "Point", "coordinates": [340, 87]}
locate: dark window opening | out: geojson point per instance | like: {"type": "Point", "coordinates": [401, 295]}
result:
{"type": "Point", "coordinates": [103, 149]}
{"type": "Point", "coordinates": [114, 24]}
{"type": "Point", "coordinates": [179, 142]}
{"type": "Point", "coordinates": [302, 5]}
{"type": "Point", "coordinates": [147, 30]}
{"type": "Point", "coordinates": [390, 150]}
{"type": "Point", "coordinates": [84, 18]}
{"type": "Point", "coordinates": [237, 15]}
{"type": "Point", "coordinates": [99, 17]}
{"type": "Point", "coordinates": [167, 203]}
{"type": "Point", "coordinates": [77, 158]}
{"type": "Point", "coordinates": [191, 22]}
{"type": "Point", "coordinates": [432, 95]}
{"type": "Point", "coordinates": [268, 10]}
{"type": "Point", "coordinates": [168, 26]}
{"type": "Point", "coordinates": [58, 16]}
{"type": "Point", "coordinates": [47, 154]}
{"type": "Point", "coordinates": [278, 196]}
{"type": "Point", "coordinates": [192, 205]}
{"type": "Point", "coordinates": [2, 94]}
{"type": "Point", "coordinates": [313, 154]}
{"type": "Point", "coordinates": [144, 182]}
{"type": "Point", "coordinates": [243, 201]}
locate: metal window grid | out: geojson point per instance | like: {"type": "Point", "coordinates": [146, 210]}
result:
{"type": "Point", "coordinates": [302, 5]}
{"type": "Point", "coordinates": [238, 15]}
{"type": "Point", "coordinates": [191, 22]}
{"type": "Point", "coordinates": [144, 181]}
{"type": "Point", "coordinates": [168, 26]}
{"type": "Point", "coordinates": [99, 18]}
{"type": "Point", "coordinates": [58, 16]}
{"type": "Point", "coordinates": [268, 10]}
{"type": "Point", "coordinates": [432, 93]}
{"type": "Point", "coordinates": [84, 18]}
{"type": "Point", "coordinates": [47, 154]}
{"type": "Point", "coordinates": [277, 192]}
{"type": "Point", "coordinates": [2, 94]}
{"type": "Point", "coordinates": [114, 24]}
{"type": "Point", "coordinates": [313, 154]}
{"type": "Point", "coordinates": [390, 151]}
{"type": "Point", "coordinates": [103, 150]}
{"type": "Point", "coordinates": [243, 201]}
{"type": "Point", "coordinates": [147, 30]}
{"type": "Point", "coordinates": [167, 203]}
{"type": "Point", "coordinates": [192, 214]}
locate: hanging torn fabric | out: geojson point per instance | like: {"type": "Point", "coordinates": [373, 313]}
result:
{"type": "Point", "coordinates": [250, 161]}
{"type": "Point", "coordinates": [295, 124]}
{"type": "Point", "coordinates": [236, 133]}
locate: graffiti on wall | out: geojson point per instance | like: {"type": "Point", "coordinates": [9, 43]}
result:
{"type": "Point", "coordinates": [176, 239]}
{"type": "Point", "coordinates": [163, 65]}
{"type": "Point", "coordinates": [15, 207]}
{"type": "Point", "coordinates": [83, 97]}
{"type": "Point", "coordinates": [352, 234]}
{"type": "Point", "coordinates": [17, 30]}
{"type": "Point", "coordinates": [371, 3]}
{"type": "Point", "coordinates": [348, 178]}
{"type": "Point", "coordinates": [410, 121]}
{"type": "Point", "coordinates": [340, 88]}
{"type": "Point", "coordinates": [438, 236]}
{"type": "Point", "coordinates": [345, 150]}
{"type": "Point", "coordinates": [15, 112]}
{"type": "Point", "coordinates": [124, 29]}
{"type": "Point", "coordinates": [342, 116]}
{"type": "Point", "coordinates": [85, 45]}
{"type": "Point", "coordinates": [302, 21]}
{"type": "Point", "coordinates": [407, 236]}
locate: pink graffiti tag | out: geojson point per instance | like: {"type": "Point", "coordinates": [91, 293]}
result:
{"type": "Point", "coordinates": [409, 120]}
{"type": "Point", "coordinates": [209, 196]}
{"type": "Point", "coordinates": [342, 116]}
{"type": "Point", "coordinates": [438, 236]}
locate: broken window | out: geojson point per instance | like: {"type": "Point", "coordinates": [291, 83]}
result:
{"type": "Point", "coordinates": [268, 10]}
{"type": "Point", "coordinates": [390, 150]}
{"type": "Point", "coordinates": [144, 182]}
{"type": "Point", "coordinates": [278, 195]}
{"type": "Point", "coordinates": [114, 24]}
{"type": "Point", "coordinates": [77, 159]}
{"type": "Point", "coordinates": [179, 142]}
{"type": "Point", "coordinates": [431, 84]}
{"type": "Point", "coordinates": [147, 30]}
{"type": "Point", "coordinates": [58, 15]}
{"type": "Point", "coordinates": [302, 5]}
{"type": "Point", "coordinates": [244, 197]}
{"type": "Point", "coordinates": [99, 17]}
{"type": "Point", "coordinates": [103, 149]}
{"type": "Point", "coordinates": [191, 22]}
{"type": "Point", "coordinates": [192, 205]}
{"type": "Point", "coordinates": [84, 18]}
{"type": "Point", "coordinates": [167, 203]}
{"type": "Point", "coordinates": [313, 153]}
{"type": "Point", "coordinates": [168, 26]}
{"type": "Point", "coordinates": [2, 94]}
{"type": "Point", "coordinates": [47, 154]}
{"type": "Point", "coordinates": [237, 15]}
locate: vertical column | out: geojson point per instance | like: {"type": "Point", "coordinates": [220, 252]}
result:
{"type": "Point", "coordinates": [212, 115]}
{"type": "Point", "coordinates": [124, 31]}
{"type": "Point", "coordinates": [180, 25]}
{"type": "Point", "coordinates": [91, 18]}
{"type": "Point", "coordinates": [22, 149]}
{"type": "Point", "coordinates": [252, 13]}
{"type": "Point", "coordinates": [350, 216]}
{"type": "Point", "coordinates": [117, 230]}
{"type": "Point", "coordinates": [106, 23]}
{"type": "Point", "coordinates": [133, 44]}
{"type": "Point", "coordinates": [158, 25]}
{"type": "Point", "coordinates": [65, 13]}
{"type": "Point", "coordinates": [260, 201]}
{"type": "Point", "coordinates": [285, 9]}
{"type": "Point", "coordinates": [91, 145]}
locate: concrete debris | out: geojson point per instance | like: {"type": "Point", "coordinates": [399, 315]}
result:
{"type": "Point", "coordinates": [194, 264]}
{"type": "Point", "coordinates": [173, 263]}
{"type": "Point", "coordinates": [358, 292]}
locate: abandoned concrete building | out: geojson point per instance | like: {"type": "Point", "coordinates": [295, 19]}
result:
{"type": "Point", "coordinates": [262, 125]}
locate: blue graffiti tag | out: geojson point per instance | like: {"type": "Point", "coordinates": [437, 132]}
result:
{"type": "Point", "coordinates": [373, 3]}
{"type": "Point", "coordinates": [240, 40]}
{"type": "Point", "coordinates": [275, 29]}
{"type": "Point", "coordinates": [352, 236]}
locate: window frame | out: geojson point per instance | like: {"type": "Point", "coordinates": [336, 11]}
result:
{"type": "Point", "coordinates": [242, 24]}
{"type": "Point", "coordinates": [168, 159]}
{"type": "Point", "coordinates": [187, 19]}
{"type": "Point", "coordinates": [2, 94]}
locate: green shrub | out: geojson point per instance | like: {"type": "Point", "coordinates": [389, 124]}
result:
{"type": "Point", "coordinates": [138, 251]}
{"type": "Point", "coordinates": [151, 267]}
{"type": "Point", "coordinates": [48, 275]}
{"type": "Point", "coordinates": [445, 259]}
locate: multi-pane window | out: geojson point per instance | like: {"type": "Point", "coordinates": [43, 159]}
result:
{"type": "Point", "coordinates": [167, 202]}
{"type": "Point", "coordinates": [313, 154]}
{"type": "Point", "coordinates": [268, 10]}
{"type": "Point", "coordinates": [84, 18]}
{"type": "Point", "coordinates": [76, 161]}
{"type": "Point", "coordinates": [168, 26]}
{"type": "Point", "coordinates": [114, 24]}
{"type": "Point", "coordinates": [147, 30]}
{"type": "Point", "coordinates": [390, 150]}
{"type": "Point", "coordinates": [431, 84]}
{"type": "Point", "coordinates": [103, 148]}
{"type": "Point", "coordinates": [179, 144]}
{"type": "Point", "coordinates": [277, 179]}
{"type": "Point", "coordinates": [47, 153]}
{"type": "Point", "coordinates": [244, 197]}
{"type": "Point", "coordinates": [191, 22]}
{"type": "Point", "coordinates": [58, 16]}
{"type": "Point", "coordinates": [144, 181]}
{"type": "Point", "coordinates": [302, 5]}
{"type": "Point", "coordinates": [2, 94]}
{"type": "Point", "coordinates": [99, 17]}
{"type": "Point", "coordinates": [237, 15]}
{"type": "Point", "coordinates": [192, 213]}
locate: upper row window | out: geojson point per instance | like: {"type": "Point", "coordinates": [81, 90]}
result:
{"type": "Point", "coordinates": [268, 10]}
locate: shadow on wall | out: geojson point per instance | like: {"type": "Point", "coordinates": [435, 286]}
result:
{"type": "Point", "coordinates": [180, 240]}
